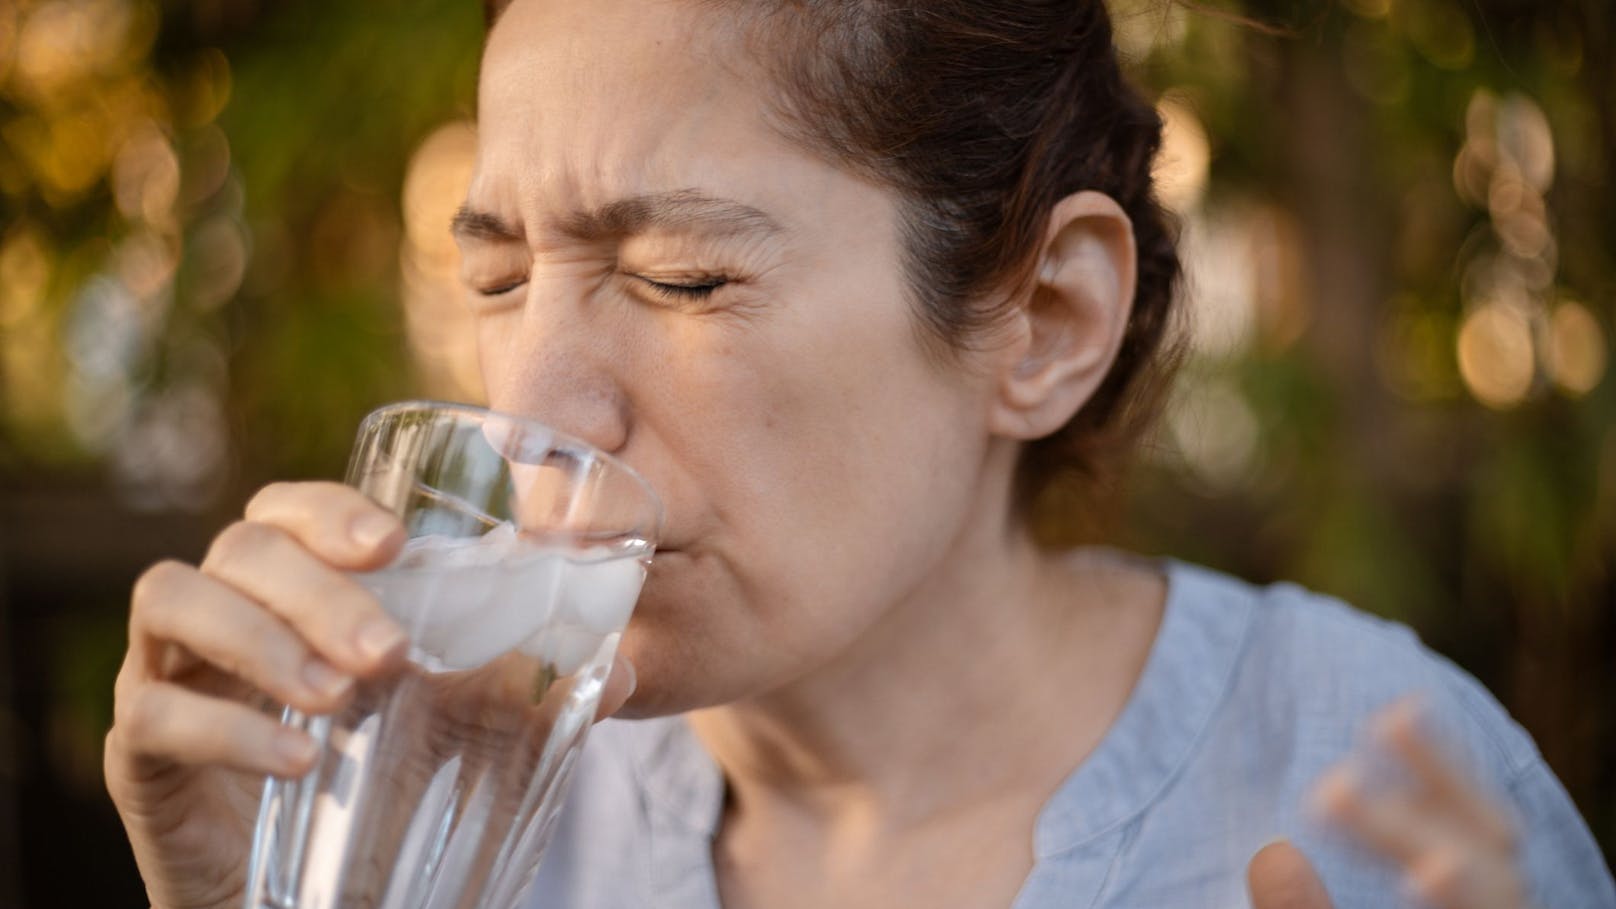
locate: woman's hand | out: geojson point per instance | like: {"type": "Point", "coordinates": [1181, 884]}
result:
{"type": "Point", "coordinates": [269, 614]}
{"type": "Point", "coordinates": [1455, 847]}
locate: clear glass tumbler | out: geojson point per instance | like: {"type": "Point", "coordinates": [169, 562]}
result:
{"type": "Point", "coordinates": [437, 787]}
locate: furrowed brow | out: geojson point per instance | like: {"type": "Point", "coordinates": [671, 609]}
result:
{"type": "Point", "coordinates": [470, 224]}
{"type": "Point", "coordinates": [686, 209]}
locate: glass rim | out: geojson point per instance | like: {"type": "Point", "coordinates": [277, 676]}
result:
{"type": "Point", "coordinates": [658, 514]}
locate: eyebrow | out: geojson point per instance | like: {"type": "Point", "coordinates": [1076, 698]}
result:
{"type": "Point", "coordinates": [684, 209]}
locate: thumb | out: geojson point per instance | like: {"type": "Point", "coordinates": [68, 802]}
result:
{"type": "Point", "coordinates": [1280, 877]}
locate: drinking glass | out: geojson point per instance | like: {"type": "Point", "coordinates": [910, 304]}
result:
{"type": "Point", "coordinates": [437, 786]}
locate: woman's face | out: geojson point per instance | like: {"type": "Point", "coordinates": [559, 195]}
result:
{"type": "Point", "coordinates": [655, 270]}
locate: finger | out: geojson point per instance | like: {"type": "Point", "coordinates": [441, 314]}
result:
{"type": "Point", "coordinates": [175, 604]}
{"type": "Point", "coordinates": [1397, 729]}
{"type": "Point", "coordinates": [341, 620]}
{"type": "Point", "coordinates": [335, 522]}
{"type": "Point", "coordinates": [1388, 824]}
{"type": "Point", "coordinates": [167, 723]}
{"type": "Point", "coordinates": [1453, 878]}
{"type": "Point", "coordinates": [620, 683]}
{"type": "Point", "coordinates": [1280, 877]}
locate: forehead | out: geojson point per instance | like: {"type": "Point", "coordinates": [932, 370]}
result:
{"type": "Point", "coordinates": [620, 89]}
{"type": "Point", "coordinates": [656, 44]}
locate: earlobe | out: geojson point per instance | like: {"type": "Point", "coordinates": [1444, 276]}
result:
{"type": "Point", "coordinates": [1072, 324]}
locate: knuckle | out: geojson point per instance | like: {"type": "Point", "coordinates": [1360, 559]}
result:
{"type": "Point", "coordinates": [111, 751]}
{"type": "Point", "coordinates": [157, 583]}
{"type": "Point", "coordinates": [234, 661]}
{"type": "Point", "coordinates": [291, 501]}
{"type": "Point", "coordinates": [115, 758]}
{"type": "Point", "coordinates": [269, 662]}
{"type": "Point", "coordinates": [331, 594]}
{"type": "Point", "coordinates": [125, 683]}
{"type": "Point", "coordinates": [240, 540]}
{"type": "Point", "coordinates": [333, 622]}
{"type": "Point", "coordinates": [269, 497]}
{"type": "Point", "coordinates": [140, 717]}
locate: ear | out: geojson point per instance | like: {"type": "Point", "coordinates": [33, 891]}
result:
{"type": "Point", "coordinates": [1068, 333]}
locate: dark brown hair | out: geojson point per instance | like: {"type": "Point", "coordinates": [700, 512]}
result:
{"type": "Point", "coordinates": [981, 115]}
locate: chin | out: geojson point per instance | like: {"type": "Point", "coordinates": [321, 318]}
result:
{"type": "Point", "coordinates": [673, 672]}
{"type": "Point", "coordinates": [694, 641]}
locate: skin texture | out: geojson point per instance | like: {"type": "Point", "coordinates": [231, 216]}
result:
{"type": "Point", "coordinates": [868, 643]}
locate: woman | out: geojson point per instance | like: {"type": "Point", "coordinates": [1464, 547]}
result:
{"type": "Point", "coordinates": [849, 283]}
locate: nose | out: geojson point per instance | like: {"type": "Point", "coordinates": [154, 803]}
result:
{"type": "Point", "coordinates": [560, 363]}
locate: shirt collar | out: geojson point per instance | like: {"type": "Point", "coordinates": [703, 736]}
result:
{"type": "Point", "coordinates": [1186, 676]}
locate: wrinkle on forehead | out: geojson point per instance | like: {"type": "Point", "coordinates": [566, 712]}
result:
{"type": "Point", "coordinates": [601, 100]}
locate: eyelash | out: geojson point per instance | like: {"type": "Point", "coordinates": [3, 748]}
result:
{"type": "Point", "coordinates": [500, 290]}
{"type": "Point", "coordinates": [678, 292]}
{"type": "Point", "coordinates": [686, 292]}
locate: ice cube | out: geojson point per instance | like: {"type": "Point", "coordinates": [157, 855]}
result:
{"type": "Point", "coordinates": [408, 595]}
{"type": "Point", "coordinates": [518, 603]}
{"type": "Point", "coordinates": [564, 646]}
{"type": "Point", "coordinates": [600, 594]}
{"type": "Point", "coordinates": [437, 583]}
{"type": "Point", "coordinates": [466, 600]}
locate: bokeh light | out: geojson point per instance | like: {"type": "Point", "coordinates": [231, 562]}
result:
{"type": "Point", "coordinates": [1574, 351]}
{"type": "Point", "coordinates": [103, 331]}
{"type": "Point", "coordinates": [1495, 354]}
{"type": "Point", "coordinates": [1506, 168]}
{"type": "Point", "coordinates": [440, 330]}
{"type": "Point", "coordinates": [1439, 30]}
{"type": "Point", "coordinates": [1215, 432]}
{"type": "Point", "coordinates": [1185, 161]}
{"type": "Point", "coordinates": [146, 176]}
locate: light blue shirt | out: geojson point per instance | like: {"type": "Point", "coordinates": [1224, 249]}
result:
{"type": "Point", "coordinates": [1248, 695]}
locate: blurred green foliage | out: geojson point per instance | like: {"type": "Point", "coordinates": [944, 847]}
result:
{"type": "Point", "coordinates": [1397, 391]}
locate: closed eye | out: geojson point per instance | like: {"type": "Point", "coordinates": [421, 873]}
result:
{"type": "Point", "coordinates": [698, 290]}
{"type": "Point", "coordinates": [500, 289]}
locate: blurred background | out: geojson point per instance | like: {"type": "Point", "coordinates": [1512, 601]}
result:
{"type": "Point", "coordinates": [223, 239]}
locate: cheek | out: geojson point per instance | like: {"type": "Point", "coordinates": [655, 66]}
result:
{"type": "Point", "coordinates": [491, 347]}
{"type": "Point", "coordinates": [833, 453]}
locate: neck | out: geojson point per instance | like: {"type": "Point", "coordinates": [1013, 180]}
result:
{"type": "Point", "coordinates": [991, 680]}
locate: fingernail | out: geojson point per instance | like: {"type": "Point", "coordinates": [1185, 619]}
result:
{"type": "Point", "coordinates": [377, 638]}
{"type": "Point", "coordinates": [370, 529]}
{"type": "Point", "coordinates": [324, 679]}
{"type": "Point", "coordinates": [294, 748]}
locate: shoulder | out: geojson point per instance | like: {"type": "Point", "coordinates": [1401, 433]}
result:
{"type": "Point", "coordinates": [1304, 673]}
{"type": "Point", "coordinates": [1314, 662]}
